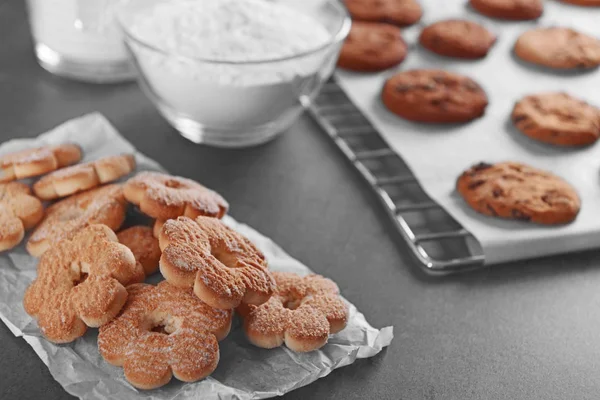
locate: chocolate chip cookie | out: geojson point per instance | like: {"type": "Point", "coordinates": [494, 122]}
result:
{"type": "Point", "coordinates": [517, 10]}
{"type": "Point", "coordinates": [517, 191]}
{"type": "Point", "coordinates": [457, 38]}
{"type": "Point", "coordinates": [557, 118]}
{"type": "Point", "coordinates": [397, 12]}
{"type": "Point", "coordinates": [561, 48]}
{"type": "Point", "coordinates": [434, 96]}
{"type": "Point", "coordinates": [371, 47]}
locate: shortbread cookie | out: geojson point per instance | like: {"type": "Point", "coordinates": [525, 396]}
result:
{"type": "Point", "coordinates": [81, 282]}
{"type": "Point", "coordinates": [457, 38]}
{"type": "Point", "coordinates": [560, 48]}
{"type": "Point", "coordinates": [163, 197]}
{"type": "Point", "coordinates": [397, 12]}
{"type": "Point", "coordinates": [163, 331]}
{"type": "Point", "coordinates": [372, 47]}
{"type": "Point", "coordinates": [223, 266]}
{"type": "Point", "coordinates": [302, 312]}
{"type": "Point", "coordinates": [584, 3]}
{"type": "Point", "coordinates": [144, 246]}
{"type": "Point", "coordinates": [517, 191]}
{"type": "Point", "coordinates": [75, 179]}
{"type": "Point", "coordinates": [38, 161]}
{"type": "Point", "coordinates": [104, 205]}
{"type": "Point", "coordinates": [19, 211]}
{"type": "Point", "coordinates": [434, 96]}
{"type": "Point", "coordinates": [558, 119]}
{"type": "Point", "coordinates": [519, 10]}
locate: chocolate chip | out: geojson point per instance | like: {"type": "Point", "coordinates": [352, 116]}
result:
{"type": "Point", "coordinates": [476, 184]}
{"type": "Point", "coordinates": [491, 210]}
{"type": "Point", "coordinates": [481, 166]}
{"type": "Point", "coordinates": [497, 192]}
{"type": "Point", "coordinates": [518, 118]}
{"type": "Point", "coordinates": [517, 214]}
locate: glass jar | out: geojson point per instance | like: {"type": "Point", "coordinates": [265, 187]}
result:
{"type": "Point", "coordinates": [79, 39]}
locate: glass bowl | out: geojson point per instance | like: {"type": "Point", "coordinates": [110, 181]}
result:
{"type": "Point", "coordinates": [235, 104]}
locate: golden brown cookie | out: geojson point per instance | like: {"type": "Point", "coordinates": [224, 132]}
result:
{"type": "Point", "coordinates": [104, 205]}
{"type": "Point", "coordinates": [19, 211]}
{"type": "Point", "coordinates": [224, 268]}
{"type": "Point", "coordinates": [517, 191]}
{"type": "Point", "coordinates": [583, 3]}
{"type": "Point", "coordinates": [372, 47]}
{"type": "Point", "coordinates": [75, 179]}
{"type": "Point", "coordinates": [457, 38]}
{"type": "Point", "coordinates": [434, 96]}
{"type": "Point", "coordinates": [143, 245]}
{"type": "Point", "coordinates": [558, 119]}
{"type": "Point", "coordinates": [81, 282]}
{"type": "Point", "coordinates": [519, 10]}
{"type": "Point", "coordinates": [560, 48]}
{"type": "Point", "coordinates": [302, 312]}
{"type": "Point", "coordinates": [38, 161]}
{"type": "Point", "coordinates": [163, 331]}
{"type": "Point", "coordinates": [397, 12]}
{"type": "Point", "coordinates": [164, 196]}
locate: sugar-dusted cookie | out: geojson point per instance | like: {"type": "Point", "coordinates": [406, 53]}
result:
{"type": "Point", "coordinates": [434, 96]}
{"type": "Point", "coordinates": [397, 12]}
{"type": "Point", "coordinates": [163, 197]}
{"type": "Point", "coordinates": [144, 246]}
{"type": "Point", "coordinates": [163, 331]}
{"type": "Point", "coordinates": [557, 118]}
{"type": "Point", "coordinates": [517, 191]}
{"type": "Point", "coordinates": [372, 46]}
{"type": "Point", "coordinates": [584, 3]}
{"type": "Point", "coordinates": [38, 161]}
{"type": "Point", "coordinates": [560, 48]}
{"type": "Point", "coordinates": [457, 38]}
{"type": "Point", "coordinates": [81, 282]}
{"type": "Point", "coordinates": [104, 205]}
{"type": "Point", "coordinates": [19, 211]}
{"type": "Point", "coordinates": [509, 9]}
{"type": "Point", "coordinates": [223, 266]}
{"type": "Point", "coordinates": [75, 179]}
{"type": "Point", "coordinates": [302, 312]}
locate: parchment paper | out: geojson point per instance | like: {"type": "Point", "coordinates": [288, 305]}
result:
{"type": "Point", "coordinates": [438, 154]}
{"type": "Point", "coordinates": [244, 372]}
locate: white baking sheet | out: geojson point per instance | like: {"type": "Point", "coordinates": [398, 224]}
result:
{"type": "Point", "coordinates": [438, 154]}
{"type": "Point", "coordinates": [244, 371]}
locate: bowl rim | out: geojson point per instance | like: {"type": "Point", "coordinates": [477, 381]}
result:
{"type": "Point", "coordinates": [334, 39]}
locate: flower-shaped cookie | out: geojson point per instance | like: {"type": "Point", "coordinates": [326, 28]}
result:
{"type": "Point", "coordinates": [302, 313]}
{"type": "Point", "coordinates": [38, 161]}
{"type": "Point", "coordinates": [81, 282]}
{"type": "Point", "coordinates": [143, 245]}
{"type": "Point", "coordinates": [163, 197]}
{"type": "Point", "coordinates": [105, 205]}
{"type": "Point", "coordinates": [164, 331]}
{"type": "Point", "coordinates": [19, 211]}
{"type": "Point", "coordinates": [223, 266]}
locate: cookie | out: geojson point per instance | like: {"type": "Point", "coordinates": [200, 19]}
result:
{"type": "Point", "coordinates": [517, 191]}
{"type": "Point", "coordinates": [164, 197]}
{"type": "Point", "coordinates": [457, 38]}
{"type": "Point", "coordinates": [157, 227]}
{"type": "Point", "coordinates": [517, 10]}
{"type": "Point", "coordinates": [397, 12]}
{"type": "Point", "coordinates": [81, 283]}
{"type": "Point", "coordinates": [372, 47]}
{"type": "Point", "coordinates": [75, 179]}
{"type": "Point", "coordinates": [558, 119]}
{"type": "Point", "coordinates": [434, 96]}
{"type": "Point", "coordinates": [224, 268]}
{"type": "Point", "coordinates": [19, 211]}
{"type": "Point", "coordinates": [583, 3]}
{"type": "Point", "coordinates": [302, 313]}
{"type": "Point", "coordinates": [104, 205]}
{"type": "Point", "coordinates": [560, 48]}
{"type": "Point", "coordinates": [143, 245]}
{"type": "Point", "coordinates": [164, 331]}
{"type": "Point", "coordinates": [38, 161]}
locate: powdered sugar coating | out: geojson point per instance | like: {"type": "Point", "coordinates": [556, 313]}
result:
{"type": "Point", "coordinates": [188, 347]}
{"type": "Point", "coordinates": [38, 161]}
{"type": "Point", "coordinates": [19, 210]}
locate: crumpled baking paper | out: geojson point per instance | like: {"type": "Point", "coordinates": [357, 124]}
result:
{"type": "Point", "coordinates": [244, 372]}
{"type": "Point", "coordinates": [437, 154]}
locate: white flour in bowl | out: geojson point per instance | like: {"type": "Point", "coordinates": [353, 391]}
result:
{"type": "Point", "coordinates": [195, 37]}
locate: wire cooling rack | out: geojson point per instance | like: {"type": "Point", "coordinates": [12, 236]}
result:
{"type": "Point", "coordinates": [440, 244]}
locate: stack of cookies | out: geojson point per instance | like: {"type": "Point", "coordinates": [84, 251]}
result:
{"type": "Point", "coordinates": [91, 273]}
{"type": "Point", "coordinates": [506, 189]}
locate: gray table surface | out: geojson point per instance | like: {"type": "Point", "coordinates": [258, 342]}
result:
{"type": "Point", "coordinates": [528, 330]}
